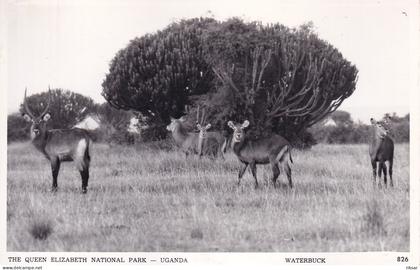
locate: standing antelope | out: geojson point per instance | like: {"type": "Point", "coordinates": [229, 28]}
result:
{"type": "Point", "coordinates": [275, 150]}
{"type": "Point", "coordinates": [213, 142]}
{"type": "Point", "coordinates": [205, 137]}
{"type": "Point", "coordinates": [381, 149]}
{"type": "Point", "coordinates": [188, 141]}
{"type": "Point", "coordinates": [59, 145]}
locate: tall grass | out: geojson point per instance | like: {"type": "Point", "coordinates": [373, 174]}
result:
{"type": "Point", "coordinates": [150, 200]}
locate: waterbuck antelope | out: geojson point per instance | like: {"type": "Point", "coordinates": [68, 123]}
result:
{"type": "Point", "coordinates": [381, 149]}
{"type": "Point", "coordinates": [188, 141]}
{"type": "Point", "coordinates": [59, 145]}
{"type": "Point", "coordinates": [275, 150]}
{"type": "Point", "coordinates": [205, 137]}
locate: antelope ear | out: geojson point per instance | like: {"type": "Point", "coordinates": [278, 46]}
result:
{"type": "Point", "coordinates": [245, 124]}
{"type": "Point", "coordinates": [27, 117]}
{"type": "Point", "coordinates": [46, 117]}
{"type": "Point", "coordinates": [208, 126]}
{"type": "Point", "coordinates": [182, 119]}
{"type": "Point", "coordinates": [199, 126]}
{"type": "Point", "coordinates": [231, 125]}
{"type": "Point", "coordinates": [372, 121]}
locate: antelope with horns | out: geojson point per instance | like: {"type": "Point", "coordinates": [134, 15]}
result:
{"type": "Point", "coordinates": [59, 145]}
{"type": "Point", "coordinates": [381, 149]}
{"type": "Point", "coordinates": [205, 136]}
{"type": "Point", "coordinates": [275, 150]}
{"type": "Point", "coordinates": [188, 141]}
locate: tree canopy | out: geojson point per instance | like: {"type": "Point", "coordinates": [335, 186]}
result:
{"type": "Point", "coordinates": [66, 108]}
{"type": "Point", "coordinates": [156, 73]}
{"type": "Point", "coordinates": [281, 79]}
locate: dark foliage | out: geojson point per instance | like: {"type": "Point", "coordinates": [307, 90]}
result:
{"type": "Point", "coordinates": [17, 128]}
{"type": "Point", "coordinates": [66, 108]}
{"type": "Point", "coordinates": [283, 80]}
{"type": "Point", "coordinates": [399, 127]}
{"type": "Point", "coordinates": [155, 74]}
{"type": "Point", "coordinates": [346, 131]}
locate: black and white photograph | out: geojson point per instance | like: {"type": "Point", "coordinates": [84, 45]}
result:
{"type": "Point", "coordinates": [194, 131]}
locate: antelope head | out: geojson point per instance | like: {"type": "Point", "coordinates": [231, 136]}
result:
{"type": "Point", "coordinates": [238, 130]}
{"type": "Point", "coordinates": [200, 123]}
{"type": "Point", "coordinates": [175, 123]}
{"type": "Point", "coordinates": [203, 130]}
{"type": "Point", "coordinates": [39, 123]}
{"type": "Point", "coordinates": [380, 128]}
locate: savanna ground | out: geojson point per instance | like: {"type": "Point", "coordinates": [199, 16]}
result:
{"type": "Point", "coordinates": [142, 199]}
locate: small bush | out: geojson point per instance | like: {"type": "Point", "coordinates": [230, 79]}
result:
{"type": "Point", "coordinates": [196, 233]}
{"type": "Point", "coordinates": [374, 220]}
{"type": "Point", "coordinates": [41, 229]}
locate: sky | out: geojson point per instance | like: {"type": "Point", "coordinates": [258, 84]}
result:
{"type": "Point", "coordinates": [69, 44]}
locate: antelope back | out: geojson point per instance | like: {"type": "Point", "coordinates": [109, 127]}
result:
{"type": "Point", "coordinates": [259, 150]}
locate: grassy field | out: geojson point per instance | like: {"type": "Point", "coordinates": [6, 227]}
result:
{"type": "Point", "coordinates": [149, 200]}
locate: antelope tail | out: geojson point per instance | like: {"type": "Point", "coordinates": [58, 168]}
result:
{"type": "Point", "coordinates": [224, 145]}
{"type": "Point", "coordinates": [88, 149]}
{"type": "Point", "coordinates": [289, 150]}
{"type": "Point", "coordinates": [282, 155]}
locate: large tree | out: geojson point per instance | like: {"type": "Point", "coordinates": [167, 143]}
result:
{"type": "Point", "coordinates": [283, 80]}
{"type": "Point", "coordinates": [155, 74]}
{"type": "Point", "coordinates": [66, 108]}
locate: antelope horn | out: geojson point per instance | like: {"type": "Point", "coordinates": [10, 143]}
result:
{"type": "Point", "coordinates": [187, 109]}
{"type": "Point", "coordinates": [25, 105]}
{"type": "Point", "coordinates": [202, 116]}
{"type": "Point", "coordinates": [198, 114]}
{"type": "Point", "coordinates": [48, 104]}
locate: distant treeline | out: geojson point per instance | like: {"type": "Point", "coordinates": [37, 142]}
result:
{"type": "Point", "coordinates": [68, 108]}
{"type": "Point", "coordinates": [339, 128]}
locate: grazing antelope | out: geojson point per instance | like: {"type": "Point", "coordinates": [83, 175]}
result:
{"type": "Point", "coordinates": [59, 145]}
{"type": "Point", "coordinates": [205, 136]}
{"type": "Point", "coordinates": [275, 150]}
{"type": "Point", "coordinates": [381, 149]}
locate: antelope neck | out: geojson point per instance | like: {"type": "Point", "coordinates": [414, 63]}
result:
{"type": "Point", "coordinates": [376, 136]}
{"type": "Point", "coordinates": [179, 133]}
{"type": "Point", "coordinates": [237, 146]}
{"type": "Point", "coordinates": [40, 141]}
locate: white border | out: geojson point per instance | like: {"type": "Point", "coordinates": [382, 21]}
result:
{"type": "Point", "coordinates": [379, 259]}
